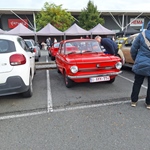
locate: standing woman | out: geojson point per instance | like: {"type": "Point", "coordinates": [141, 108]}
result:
{"type": "Point", "coordinates": [140, 53]}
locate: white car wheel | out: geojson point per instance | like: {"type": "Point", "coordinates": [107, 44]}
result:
{"type": "Point", "coordinates": [29, 92]}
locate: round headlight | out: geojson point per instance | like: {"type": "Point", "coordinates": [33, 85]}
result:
{"type": "Point", "coordinates": [74, 69]}
{"type": "Point", "coordinates": [118, 65]}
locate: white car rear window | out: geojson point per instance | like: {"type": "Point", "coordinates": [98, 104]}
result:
{"type": "Point", "coordinates": [7, 46]}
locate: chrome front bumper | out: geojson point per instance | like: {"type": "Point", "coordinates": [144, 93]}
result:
{"type": "Point", "coordinates": [94, 75]}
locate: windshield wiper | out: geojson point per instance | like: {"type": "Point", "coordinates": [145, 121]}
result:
{"type": "Point", "coordinates": [86, 51]}
{"type": "Point", "coordinates": [72, 53]}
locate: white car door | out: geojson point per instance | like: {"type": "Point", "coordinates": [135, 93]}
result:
{"type": "Point", "coordinates": [30, 54]}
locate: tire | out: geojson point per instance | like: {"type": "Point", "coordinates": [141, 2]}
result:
{"type": "Point", "coordinates": [52, 57]}
{"type": "Point", "coordinates": [58, 70]}
{"type": "Point", "coordinates": [111, 80]}
{"type": "Point", "coordinates": [49, 53]}
{"type": "Point", "coordinates": [37, 59]}
{"type": "Point", "coordinates": [35, 70]}
{"type": "Point", "coordinates": [29, 92]}
{"type": "Point", "coordinates": [39, 53]}
{"type": "Point", "coordinates": [68, 82]}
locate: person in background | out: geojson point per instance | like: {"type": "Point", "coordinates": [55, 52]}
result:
{"type": "Point", "coordinates": [109, 45]}
{"type": "Point", "coordinates": [140, 53]}
{"type": "Point", "coordinates": [43, 45]}
{"type": "Point", "coordinates": [49, 42]}
{"type": "Point", "coordinates": [55, 40]}
{"type": "Point", "coordinates": [87, 37]}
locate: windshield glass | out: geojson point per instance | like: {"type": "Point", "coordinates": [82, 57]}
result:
{"type": "Point", "coordinates": [120, 41]}
{"type": "Point", "coordinates": [28, 43]}
{"type": "Point", "coordinates": [56, 45]}
{"type": "Point", "coordinates": [82, 47]}
{"type": "Point", "coordinates": [7, 46]}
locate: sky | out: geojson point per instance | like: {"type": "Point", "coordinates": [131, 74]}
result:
{"type": "Point", "coordinates": [131, 5]}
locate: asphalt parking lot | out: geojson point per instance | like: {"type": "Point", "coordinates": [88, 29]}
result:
{"type": "Point", "coordinates": [85, 117]}
{"type": "Point", "coordinates": [50, 93]}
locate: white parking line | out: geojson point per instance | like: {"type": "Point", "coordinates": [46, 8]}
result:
{"type": "Point", "coordinates": [94, 105]}
{"type": "Point", "coordinates": [66, 109]}
{"type": "Point", "coordinates": [49, 93]}
{"type": "Point", "coordinates": [22, 115]}
{"type": "Point", "coordinates": [89, 106]}
{"type": "Point", "coordinates": [50, 105]}
{"type": "Point", "coordinates": [131, 80]}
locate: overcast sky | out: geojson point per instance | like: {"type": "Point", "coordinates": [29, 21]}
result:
{"type": "Point", "coordinates": [132, 5]}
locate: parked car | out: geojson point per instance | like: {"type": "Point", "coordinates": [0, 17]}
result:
{"type": "Point", "coordinates": [82, 60]}
{"type": "Point", "coordinates": [120, 41]}
{"type": "Point", "coordinates": [17, 66]}
{"type": "Point", "coordinates": [31, 43]}
{"type": "Point", "coordinates": [52, 51]}
{"type": "Point", "coordinates": [126, 47]}
{"type": "Point", "coordinates": [119, 54]}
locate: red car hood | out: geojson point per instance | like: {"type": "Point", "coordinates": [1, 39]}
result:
{"type": "Point", "coordinates": [91, 58]}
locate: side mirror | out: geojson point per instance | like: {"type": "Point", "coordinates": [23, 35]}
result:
{"type": "Point", "coordinates": [31, 49]}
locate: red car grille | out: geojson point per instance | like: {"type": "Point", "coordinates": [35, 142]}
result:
{"type": "Point", "coordinates": [95, 69]}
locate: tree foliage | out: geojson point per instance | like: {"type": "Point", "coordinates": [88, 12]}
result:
{"type": "Point", "coordinates": [90, 17]}
{"type": "Point", "coordinates": [55, 15]}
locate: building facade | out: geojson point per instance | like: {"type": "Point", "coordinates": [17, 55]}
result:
{"type": "Point", "coordinates": [114, 20]}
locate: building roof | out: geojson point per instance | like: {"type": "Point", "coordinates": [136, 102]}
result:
{"type": "Point", "coordinates": [77, 12]}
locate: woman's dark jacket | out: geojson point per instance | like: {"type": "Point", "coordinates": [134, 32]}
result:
{"type": "Point", "coordinates": [141, 55]}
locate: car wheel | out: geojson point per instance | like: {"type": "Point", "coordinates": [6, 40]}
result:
{"type": "Point", "coordinates": [39, 53]}
{"type": "Point", "coordinates": [68, 82]}
{"type": "Point", "coordinates": [111, 80]}
{"type": "Point", "coordinates": [34, 70]}
{"type": "Point", "coordinates": [49, 53]}
{"type": "Point", "coordinates": [58, 70]}
{"type": "Point", "coordinates": [29, 92]}
{"type": "Point", "coordinates": [37, 59]}
{"type": "Point", "coordinates": [52, 57]}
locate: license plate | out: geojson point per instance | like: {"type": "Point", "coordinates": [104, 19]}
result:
{"type": "Point", "coordinates": [100, 79]}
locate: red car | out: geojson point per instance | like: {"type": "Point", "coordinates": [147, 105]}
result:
{"type": "Point", "coordinates": [82, 60]}
{"type": "Point", "coordinates": [52, 51]}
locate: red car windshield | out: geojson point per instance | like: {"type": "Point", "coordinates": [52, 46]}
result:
{"type": "Point", "coordinates": [56, 45]}
{"type": "Point", "coordinates": [82, 47]}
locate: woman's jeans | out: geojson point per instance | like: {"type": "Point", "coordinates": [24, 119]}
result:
{"type": "Point", "coordinates": [138, 80]}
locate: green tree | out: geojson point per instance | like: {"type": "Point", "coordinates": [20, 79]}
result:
{"type": "Point", "coordinates": [90, 17]}
{"type": "Point", "coordinates": [55, 15]}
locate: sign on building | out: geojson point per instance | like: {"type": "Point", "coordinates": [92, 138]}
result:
{"type": "Point", "coordinates": [12, 23]}
{"type": "Point", "coordinates": [136, 22]}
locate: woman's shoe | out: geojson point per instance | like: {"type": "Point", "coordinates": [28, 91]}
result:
{"type": "Point", "coordinates": [133, 104]}
{"type": "Point", "coordinates": [147, 106]}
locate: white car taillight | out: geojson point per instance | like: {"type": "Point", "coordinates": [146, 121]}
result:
{"type": "Point", "coordinates": [17, 59]}
{"type": "Point", "coordinates": [34, 50]}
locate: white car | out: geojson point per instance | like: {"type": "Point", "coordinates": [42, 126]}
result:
{"type": "Point", "coordinates": [17, 66]}
{"type": "Point", "coordinates": [32, 44]}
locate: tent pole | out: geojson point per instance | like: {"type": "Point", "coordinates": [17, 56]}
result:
{"type": "Point", "coordinates": [35, 36]}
